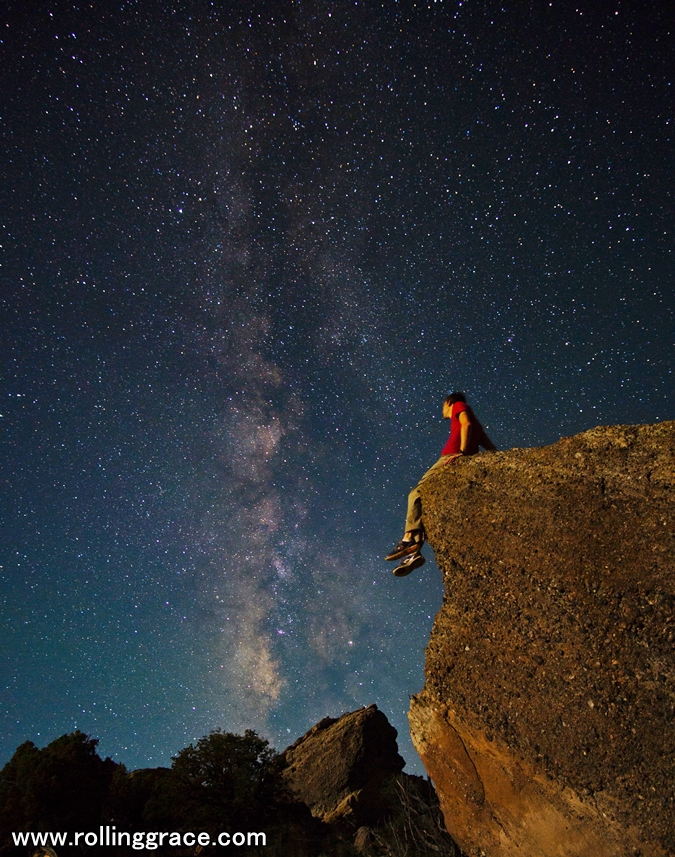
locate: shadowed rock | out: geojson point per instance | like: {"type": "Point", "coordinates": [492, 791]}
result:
{"type": "Point", "coordinates": [547, 719]}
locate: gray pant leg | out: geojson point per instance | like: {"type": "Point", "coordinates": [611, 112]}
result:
{"type": "Point", "coordinates": [413, 520]}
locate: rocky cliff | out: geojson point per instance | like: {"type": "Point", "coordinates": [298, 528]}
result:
{"type": "Point", "coordinates": [547, 721]}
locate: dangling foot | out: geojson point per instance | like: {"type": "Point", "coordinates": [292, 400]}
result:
{"type": "Point", "coordinates": [410, 563]}
{"type": "Point", "coordinates": [406, 546]}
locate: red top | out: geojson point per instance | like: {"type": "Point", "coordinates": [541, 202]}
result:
{"type": "Point", "coordinates": [453, 444]}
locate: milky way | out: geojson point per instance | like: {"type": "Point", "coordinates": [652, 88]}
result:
{"type": "Point", "coordinates": [247, 249]}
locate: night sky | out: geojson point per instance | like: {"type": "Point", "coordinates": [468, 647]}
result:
{"type": "Point", "coordinates": [247, 249]}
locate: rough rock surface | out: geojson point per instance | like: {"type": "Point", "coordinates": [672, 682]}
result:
{"type": "Point", "coordinates": [338, 766]}
{"type": "Point", "coordinates": [547, 721]}
{"type": "Point", "coordinates": [348, 772]}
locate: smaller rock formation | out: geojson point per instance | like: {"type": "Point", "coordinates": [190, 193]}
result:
{"type": "Point", "coordinates": [348, 771]}
{"type": "Point", "coordinates": [338, 767]}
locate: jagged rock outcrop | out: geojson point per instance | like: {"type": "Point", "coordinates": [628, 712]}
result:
{"type": "Point", "coordinates": [348, 771]}
{"type": "Point", "coordinates": [337, 768]}
{"type": "Point", "coordinates": [547, 721]}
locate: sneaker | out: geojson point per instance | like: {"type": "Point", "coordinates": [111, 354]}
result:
{"type": "Point", "coordinates": [405, 547]}
{"type": "Point", "coordinates": [410, 563]}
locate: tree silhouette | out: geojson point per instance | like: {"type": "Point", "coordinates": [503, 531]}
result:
{"type": "Point", "coordinates": [225, 780]}
{"type": "Point", "coordinates": [62, 787]}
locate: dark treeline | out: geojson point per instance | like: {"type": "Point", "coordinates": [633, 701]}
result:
{"type": "Point", "coordinates": [224, 782]}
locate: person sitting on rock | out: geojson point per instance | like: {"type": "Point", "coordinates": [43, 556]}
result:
{"type": "Point", "coordinates": [467, 435]}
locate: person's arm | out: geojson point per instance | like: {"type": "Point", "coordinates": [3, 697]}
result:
{"type": "Point", "coordinates": [464, 435]}
{"type": "Point", "coordinates": [465, 432]}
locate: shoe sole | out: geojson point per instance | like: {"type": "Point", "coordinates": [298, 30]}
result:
{"type": "Point", "coordinates": [405, 568]}
{"type": "Point", "coordinates": [398, 554]}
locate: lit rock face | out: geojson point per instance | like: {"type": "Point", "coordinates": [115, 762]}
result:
{"type": "Point", "coordinates": [338, 768]}
{"type": "Point", "coordinates": [547, 721]}
{"type": "Point", "coordinates": [348, 772]}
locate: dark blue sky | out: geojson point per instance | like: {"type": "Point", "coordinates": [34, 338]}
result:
{"type": "Point", "coordinates": [247, 249]}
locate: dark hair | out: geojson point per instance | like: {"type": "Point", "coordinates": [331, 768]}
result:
{"type": "Point", "coordinates": [455, 397]}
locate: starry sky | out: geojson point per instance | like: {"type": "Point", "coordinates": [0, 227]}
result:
{"type": "Point", "coordinates": [247, 248]}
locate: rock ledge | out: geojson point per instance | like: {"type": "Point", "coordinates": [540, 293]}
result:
{"type": "Point", "coordinates": [547, 719]}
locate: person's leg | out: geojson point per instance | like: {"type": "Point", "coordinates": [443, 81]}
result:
{"type": "Point", "coordinates": [413, 519]}
{"type": "Point", "coordinates": [413, 539]}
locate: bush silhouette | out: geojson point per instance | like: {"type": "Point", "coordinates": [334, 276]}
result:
{"type": "Point", "coordinates": [128, 795]}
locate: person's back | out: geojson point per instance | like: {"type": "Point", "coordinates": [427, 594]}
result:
{"type": "Point", "coordinates": [461, 415]}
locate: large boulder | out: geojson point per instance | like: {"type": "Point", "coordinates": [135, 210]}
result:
{"type": "Point", "coordinates": [338, 768]}
{"type": "Point", "coordinates": [547, 721]}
